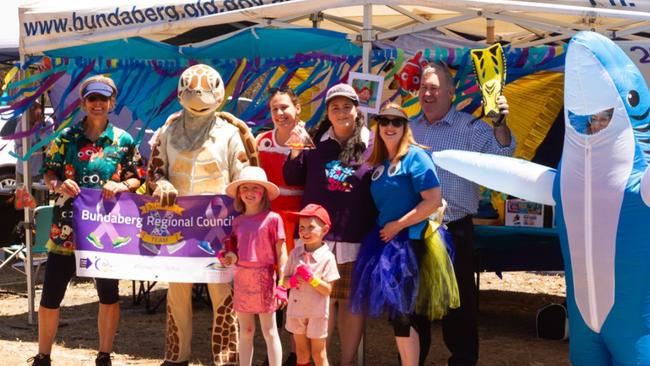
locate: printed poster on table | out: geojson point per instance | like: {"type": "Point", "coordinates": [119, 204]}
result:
{"type": "Point", "coordinates": [133, 237]}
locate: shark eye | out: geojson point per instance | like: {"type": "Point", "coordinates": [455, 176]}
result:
{"type": "Point", "coordinates": [633, 98]}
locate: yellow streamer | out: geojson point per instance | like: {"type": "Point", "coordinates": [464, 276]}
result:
{"type": "Point", "coordinates": [535, 101]}
{"type": "Point", "coordinates": [230, 88]}
{"type": "Point", "coordinates": [10, 75]}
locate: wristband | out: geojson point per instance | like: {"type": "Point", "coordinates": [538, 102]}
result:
{"type": "Point", "coordinates": [314, 282]}
{"type": "Point", "coordinates": [281, 281]}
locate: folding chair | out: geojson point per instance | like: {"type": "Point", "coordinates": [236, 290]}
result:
{"type": "Point", "coordinates": [142, 292]}
{"type": "Point", "coordinates": [18, 252]}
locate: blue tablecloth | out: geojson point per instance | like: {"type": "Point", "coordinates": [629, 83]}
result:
{"type": "Point", "coordinates": [509, 248]}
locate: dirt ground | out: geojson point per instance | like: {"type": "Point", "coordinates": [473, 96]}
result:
{"type": "Point", "coordinates": [507, 326]}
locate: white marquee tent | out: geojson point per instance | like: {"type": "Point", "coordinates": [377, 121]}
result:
{"type": "Point", "coordinates": [48, 25]}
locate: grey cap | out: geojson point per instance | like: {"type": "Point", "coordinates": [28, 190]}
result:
{"type": "Point", "coordinates": [342, 90]}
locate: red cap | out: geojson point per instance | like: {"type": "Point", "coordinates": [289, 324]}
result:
{"type": "Point", "coordinates": [312, 210]}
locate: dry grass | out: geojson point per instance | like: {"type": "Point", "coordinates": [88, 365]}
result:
{"type": "Point", "coordinates": [507, 327]}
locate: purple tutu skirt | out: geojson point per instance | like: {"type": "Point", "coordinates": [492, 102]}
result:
{"type": "Point", "coordinates": [385, 276]}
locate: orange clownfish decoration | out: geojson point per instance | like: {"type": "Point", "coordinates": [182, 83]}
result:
{"type": "Point", "coordinates": [408, 77]}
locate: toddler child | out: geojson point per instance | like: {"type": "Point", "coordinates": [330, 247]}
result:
{"type": "Point", "coordinates": [311, 269]}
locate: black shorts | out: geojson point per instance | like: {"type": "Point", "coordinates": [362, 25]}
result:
{"type": "Point", "coordinates": [58, 273]}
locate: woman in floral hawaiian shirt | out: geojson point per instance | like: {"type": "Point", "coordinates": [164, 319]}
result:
{"type": "Point", "coordinates": [91, 154]}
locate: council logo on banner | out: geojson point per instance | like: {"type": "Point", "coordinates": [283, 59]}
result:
{"type": "Point", "coordinates": [134, 237]}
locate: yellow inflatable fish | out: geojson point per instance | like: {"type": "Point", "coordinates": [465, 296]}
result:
{"type": "Point", "coordinates": [490, 69]}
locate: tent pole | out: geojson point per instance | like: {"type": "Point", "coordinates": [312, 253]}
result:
{"type": "Point", "coordinates": [28, 212]}
{"type": "Point", "coordinates": [316, 19]}
{"type": "Point", "coordinates": [366, 37]}
{"type": "Point", "coordinates": [366, 41]}
{"type": "Point", "coordinates": [489, 31]}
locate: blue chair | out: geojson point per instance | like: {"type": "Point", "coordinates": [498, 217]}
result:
{"type": "Point", "coordinates": [17, 254]}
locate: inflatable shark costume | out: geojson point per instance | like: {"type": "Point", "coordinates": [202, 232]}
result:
{"type": "Point", "coordinates": [601, 193]}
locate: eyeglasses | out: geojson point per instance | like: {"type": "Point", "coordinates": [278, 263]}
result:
{"type": "Point", "coordinates": [397, 122]}
{"type": "Point", "coordinates": [96, 97]}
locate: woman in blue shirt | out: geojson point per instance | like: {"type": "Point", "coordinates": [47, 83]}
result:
{"type": "Point", "coordinates": [403, 266]}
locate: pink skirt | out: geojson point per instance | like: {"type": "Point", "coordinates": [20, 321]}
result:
{"type": "Point", "coordinates": [253, 289]}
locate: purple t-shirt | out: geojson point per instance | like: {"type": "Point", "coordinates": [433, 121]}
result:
{"type": "Point", "coordinates": [344, 190]}
{"type": "Point", "coordinates": [257, 236]}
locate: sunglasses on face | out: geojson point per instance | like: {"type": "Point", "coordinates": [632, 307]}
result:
{"type": "Point", "coordinates": [96, 97]}
{"type": "Point", "coordinates": [397, 122]}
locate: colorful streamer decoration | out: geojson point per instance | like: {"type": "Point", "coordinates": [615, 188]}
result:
{"type": "Point", "coordinates": [147, 87]}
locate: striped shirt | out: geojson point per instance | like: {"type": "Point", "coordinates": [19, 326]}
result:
{"type": "Point", "coordinates": [458, 130]}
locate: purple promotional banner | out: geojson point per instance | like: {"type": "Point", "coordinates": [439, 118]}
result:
{"type": "Point", "coordinates": [133, 237]}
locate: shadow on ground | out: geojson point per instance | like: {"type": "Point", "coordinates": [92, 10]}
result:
{"type": "Point", "coordinates": [507, 330]}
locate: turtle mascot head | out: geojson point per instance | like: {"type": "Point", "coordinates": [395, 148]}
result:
{"type": "Point", "coordinates": [200, 90]}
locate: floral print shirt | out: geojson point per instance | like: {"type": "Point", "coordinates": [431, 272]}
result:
{"type": "Point", "coordinates": [113, 156]}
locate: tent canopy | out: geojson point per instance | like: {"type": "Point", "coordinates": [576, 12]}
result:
{"type": "Point", "coordinates": [47, 25]}
{"type": "Point", "coordinates": [249, 43]}
{"type": "Point", "coordinates": [9, 31]}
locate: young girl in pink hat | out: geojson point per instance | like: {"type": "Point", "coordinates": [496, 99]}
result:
{"type": "Point", "coordinates": [262, 255]}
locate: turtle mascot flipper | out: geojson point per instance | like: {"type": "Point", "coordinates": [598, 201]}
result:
{"type": "Point", "coordinates": [199, 151]}
{"type": "Point", "coordinates": [490, 69]}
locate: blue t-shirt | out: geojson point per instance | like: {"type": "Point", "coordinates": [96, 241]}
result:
{"type": "Point", "coordinates": [396, 188]}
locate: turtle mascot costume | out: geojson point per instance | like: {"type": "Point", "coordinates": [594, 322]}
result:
{"type": "Point", "coordinates": [199, 150]}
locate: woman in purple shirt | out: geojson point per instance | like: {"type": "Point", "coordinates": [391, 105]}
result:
{"type": "Point", "coordinates": [335, 177]}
